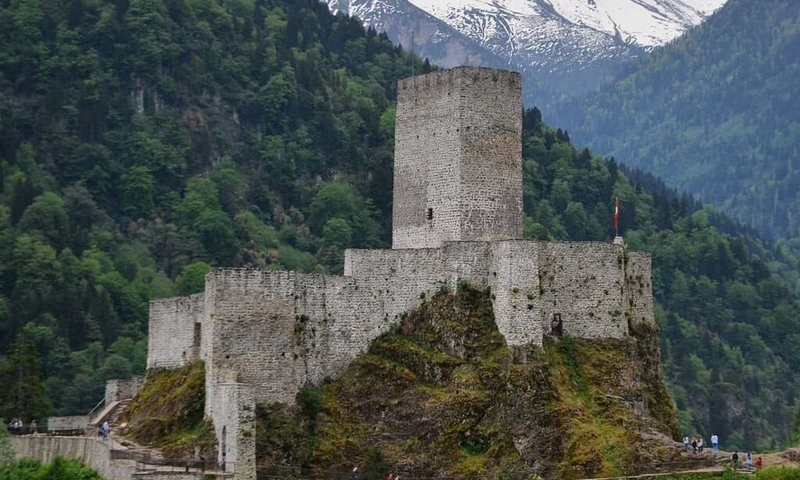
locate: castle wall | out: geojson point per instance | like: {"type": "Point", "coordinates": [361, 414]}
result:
{"type": "Point", "coordinates": [281, 330]}
{"type": "Point", "coordinates": [253, 316]}
{"type": "Point", "coordinates": [117, 390]}
{"type": "Point", "coordinates": [92, 451]}
{"type": "Point", "coordinates": [457, 216]}
{"type": "Point", "coordinates": [583, 283]}
{"type": "Point", "coordinates": [171, 340]}
{"type": "Point", "coordinates": [639, 287]}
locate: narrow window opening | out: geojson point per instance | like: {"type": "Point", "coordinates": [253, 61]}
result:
{"type": "Point", "coordinates": [198, 332]}
{"type": "Point", "coordinates": [429, 215]}
{"type": "Point", "coordinates": [556, 325]}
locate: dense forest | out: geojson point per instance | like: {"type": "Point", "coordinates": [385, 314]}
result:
{"type": "Point", "coordinates": [713, 113]}
{"type": "Point", "coordinates": [146, 141]}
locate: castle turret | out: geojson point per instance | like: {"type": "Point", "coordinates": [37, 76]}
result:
{"type": "Point", "coordinates": [458, 158]}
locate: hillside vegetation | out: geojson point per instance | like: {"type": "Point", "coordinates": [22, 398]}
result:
{"type": "Point", "coordinates": [145, 142]}
{"type": "Point", "coordinates": [443, 396]}
{"type": "Point", "coordinates": [59, 469]}
{"type": "Point", "coordinates": [168, 413]}
{"type": "Point", "coordinates": [714, 113]}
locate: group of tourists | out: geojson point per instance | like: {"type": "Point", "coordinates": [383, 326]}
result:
{"type": "Point", "coordinates": [16, 427]}
{"type": "Point", "coordinates": [697, 443]}
{"type": "Point", "coordinates": [748, 461]}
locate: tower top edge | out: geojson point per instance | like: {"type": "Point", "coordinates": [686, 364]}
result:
{"type": "Point", "coordinates": [476, 73]}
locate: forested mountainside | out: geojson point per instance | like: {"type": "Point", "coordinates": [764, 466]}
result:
{"type": "Point", "coordinates": [713, 113]}
{"type": "Point", "coordinates": [146, 141]}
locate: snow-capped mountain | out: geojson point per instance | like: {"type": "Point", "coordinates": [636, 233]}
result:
{"type": "Point", "coordinates": [559, 44]}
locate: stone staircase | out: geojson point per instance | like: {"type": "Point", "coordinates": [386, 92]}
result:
{"type": "Point", "coordinates": [110, 413]}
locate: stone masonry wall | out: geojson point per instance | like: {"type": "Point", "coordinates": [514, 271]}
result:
{"type": "Point", "coordinates": [171, 340]}
{"type": "Point", "coordinates": [117, 390]}
{"type": "Point", "coordinates": [458, 158]}
{"type": "Point", "coordinates": [235, 425]}
{"type": "Point", "coordinates": [491, 155]}
{"type": "Point", "coordinates": [514, 280]}
{"type": "Point", "coordinates": [426, 161]}
{"type": "Point", "coordinates": [278, 331]}
{"type": "Point", "coordinates": [584, 284]}
{"type": "Point", "coordinates": [639, 287]}
{"type": "Point", "coordinates": [92, 451]}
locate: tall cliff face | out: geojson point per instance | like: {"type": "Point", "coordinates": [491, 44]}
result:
{"type": "Point", "coordinates": [444, 395]}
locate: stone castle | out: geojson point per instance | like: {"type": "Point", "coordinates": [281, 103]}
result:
{"type": "Point", "coordinates": [457, 218]}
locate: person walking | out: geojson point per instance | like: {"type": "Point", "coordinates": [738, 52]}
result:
{"type": "Point", "coordinates": [686, 443]}
{"type": "Point", "coordinates": [106, 430]}
{"type": "Point", "coordinates": [735, 460]}
{"type": "Point", "coordinates": [715, 442]}
{"type": "Point", "coordinates": [748, 461]}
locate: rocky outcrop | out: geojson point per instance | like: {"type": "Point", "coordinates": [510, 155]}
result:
{"type": "Point", "coordinates": [443, 395]}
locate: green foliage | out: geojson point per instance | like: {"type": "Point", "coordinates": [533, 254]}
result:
{"type": "Point", "coordinates": [145, 142]}
{"type": "Point", "coordinates": [23, 395]}
{"type": "Point", "coordinates": [772, 473]}
{"type": "Point", "coordinates": [375, 467]}
{"type": "Point", "coordinates": [718, 305]}
{"type": "Point", "coordinates": [59, 469]}
{"type": "Point", "coordinates": [7, 453]}
{"type": "Point", "coordinates": [710, 113]}
{"type": "Point", "coordinates": [192, 278]}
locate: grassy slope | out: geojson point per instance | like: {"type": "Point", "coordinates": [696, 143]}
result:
{"type": "Point", "coordinates": [444, 395]}
{"type": "Point", "coordinates": [167, 413]}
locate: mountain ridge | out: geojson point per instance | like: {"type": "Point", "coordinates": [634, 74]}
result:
{"type": "Point", "coordinates": [558, 45]}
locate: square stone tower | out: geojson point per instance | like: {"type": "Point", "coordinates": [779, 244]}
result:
{"type": "Point", "coordinates": [458, 158]}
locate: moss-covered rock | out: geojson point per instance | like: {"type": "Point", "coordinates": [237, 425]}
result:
{"type": "Point", "coordinates": [445, 396]}
{"type": "Point", "coordinates": [167, 413]}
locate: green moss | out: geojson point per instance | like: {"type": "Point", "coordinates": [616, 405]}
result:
{"type": "Point", "coordinates": [167, 413]}
{"type": "Point", "coordinates": [444, 396]}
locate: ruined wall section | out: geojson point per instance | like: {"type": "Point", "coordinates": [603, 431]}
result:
{"type": "Point", "coordinates": [171, 340]}
{"type": "Point", "coordinates": [426, 161]}
{"type": "Point", "coordinates": [491, 154]}
{"type": "Point", "coordinates": [514, 281]}
{"type": "Point", "coordinates": [583, 283]}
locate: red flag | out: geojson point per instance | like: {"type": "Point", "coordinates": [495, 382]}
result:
{"type": "Point", "coordinates": [616, 213]}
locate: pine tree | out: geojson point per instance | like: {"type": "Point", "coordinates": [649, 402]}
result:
{"type": "Point", "coordinates": [24, 394]}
